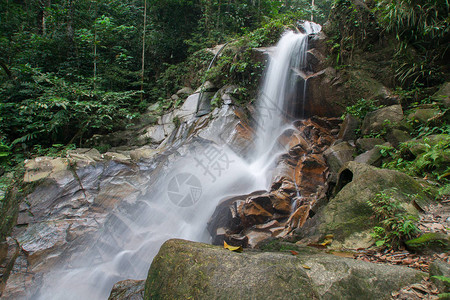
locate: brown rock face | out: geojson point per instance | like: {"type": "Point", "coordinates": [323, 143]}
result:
{"type": "Point", "coordinates": [299, 180]}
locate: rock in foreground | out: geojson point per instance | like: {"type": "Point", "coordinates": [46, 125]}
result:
{"type": "Point", "coordinates": [185, 270]}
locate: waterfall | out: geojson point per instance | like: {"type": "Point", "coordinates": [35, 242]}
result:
{"type": "Point", "coordinates": [284, 85]}
{"type": "Point", "coordinates": [180, 202]}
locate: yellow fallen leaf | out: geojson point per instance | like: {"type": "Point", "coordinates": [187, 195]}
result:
{"type": "Point", "coordinates": [306, 267]}
{"type": "Point", "coordinates": [326, 242]}
{"type": "Point", "coordinates": [232, 248]}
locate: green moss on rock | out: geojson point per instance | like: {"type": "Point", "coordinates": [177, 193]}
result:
{"type": "Point", "coordinates": [189, 270]}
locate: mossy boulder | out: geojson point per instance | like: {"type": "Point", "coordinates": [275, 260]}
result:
{"type": "Point", "coordinates": [375, 121]}
{"type": "Point", "coordinates": [443, 95]}
{"type": "Point", "coordinates": [349, 213]}
{"type": "Point", "coordinates": [430, 241]}
{"type": "Point", "coordinates": [189, 270]}
{"type": "Point", "coordinates": [440, 275]}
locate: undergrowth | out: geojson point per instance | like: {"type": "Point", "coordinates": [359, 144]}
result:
{"type": "Point", "coordinates": [397, 225]}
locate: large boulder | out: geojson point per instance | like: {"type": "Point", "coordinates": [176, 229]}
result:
{"type": "Point", "coordinates": [184, 269]}
{"type": "Point", "coordinates": [377, 120]}
{"type": "Point", "coordinates": [443, 95]}
{"type": "Point", "coordinates": [348, 213]}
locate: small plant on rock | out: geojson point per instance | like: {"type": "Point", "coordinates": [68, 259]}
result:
{"type": "Point", "coordinates": [397, 225]}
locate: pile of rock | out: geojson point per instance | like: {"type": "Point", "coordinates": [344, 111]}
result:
{"type": "Point", "coordinates": [299, 185]}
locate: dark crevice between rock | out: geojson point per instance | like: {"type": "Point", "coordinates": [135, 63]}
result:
{"type": "Point", "coordinates": [345, 177]}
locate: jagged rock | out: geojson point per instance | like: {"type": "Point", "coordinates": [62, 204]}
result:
{"type": "Point", "coordinates": [311, 173]}
{"type": "Point", "coordinates": [9, 251]}
{"type": "Point", "coordinates": [338, 155]}
{"type": "Point", "coordinates": [367, 144]}
{"type": "Point", "coordinates": [376, 120]}
{"type": "Point", "coordinates": [423, 115]}
{"type": "Point", "coordinates": [348, 212]}
{"type": "Point", "coordinates": [255, 213]}
{"type": "Point", "coordinates": [184, 269]}
{"type": "Point", "coordinates": [128, 290]}
{"type": "Point", "coordinates": [443, 95]}
{"type": "Point", "coordinates": [68, 205]}
{"type": "Point", "coordinates": [348, 128]}
{"type": "Point", "coordinates": [283, 171]}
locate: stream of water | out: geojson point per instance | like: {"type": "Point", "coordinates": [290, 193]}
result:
{"type": "Point", "coordinates": [180, 202]}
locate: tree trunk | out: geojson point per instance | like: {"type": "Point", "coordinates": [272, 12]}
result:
{"type": "Point", "coordinates": [143, 49]}
{"type": "Point", "coordinates": [43, 15]}
{"type": "Point", "coordinates": [6, 69]}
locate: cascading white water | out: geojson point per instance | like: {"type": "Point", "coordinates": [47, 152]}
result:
{"type": "Point", "coordinates": [124, 248]}
{"type": "Point", "coordinates": [281, 85]}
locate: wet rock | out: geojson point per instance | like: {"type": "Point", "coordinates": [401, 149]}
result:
{"type": "Point", "coordinates": [377, 120]}
{"type": "Point", "coordinates": [348, 128]}
{"type": "Point", "coordinates": [9, 251]}
{"type": "Point", "coordinates": [311, 173]}
{"type": "Point", "coordinates": [284, 171]}
{"type": "Point", "coordinates": [128, 290]}
{"type": "Point", "coordinates": [255, 214]}
{"type": "Point", "coordinates": [281, 201]}
{"type": "Point", "coordinates": [20, 281]}
{"type": "Point", "coordinates": [187, 269]}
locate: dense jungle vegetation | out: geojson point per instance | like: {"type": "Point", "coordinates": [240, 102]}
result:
{"type": "Point", "coordinates": [71, 69]}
